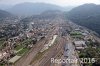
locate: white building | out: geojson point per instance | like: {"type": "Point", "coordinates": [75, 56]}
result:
{"type": "Point", "coordinates": [79, 44]}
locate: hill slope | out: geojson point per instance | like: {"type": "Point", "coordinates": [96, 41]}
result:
{"type": "Point", "coordinates": [87, 15]}
{"type": "Point", "coordinates": [4, 14]}
{"type": "Point", "coordinates": [32, 8]}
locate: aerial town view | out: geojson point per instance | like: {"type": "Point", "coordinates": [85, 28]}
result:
{"type": "Point", "coordinates": [49, 33]}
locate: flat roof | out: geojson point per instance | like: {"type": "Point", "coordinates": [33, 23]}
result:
{"type": "Point", "coordinates": [79, 47]}
{"type": "Point", "coordinates": [80, 42]}
{"type": "Point", "coordinates": [14, 59]}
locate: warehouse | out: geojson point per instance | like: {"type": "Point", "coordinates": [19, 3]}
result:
{"type": "Point", "coordinates": [79, 45]}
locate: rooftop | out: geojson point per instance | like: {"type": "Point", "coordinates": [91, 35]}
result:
{"type": "Point", "coordinates": [80, 42]}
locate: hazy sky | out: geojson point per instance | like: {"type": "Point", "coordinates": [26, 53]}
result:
{"type": "Point", "coordinates": [57, 2]}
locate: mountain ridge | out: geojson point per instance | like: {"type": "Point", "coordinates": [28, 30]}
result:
{"type": "Point", "coordinates": [4, 14]}
{"type": "Point", "coordinates": [32, 8]}
{"type": "Point", "coordinates": [87, 15]}
{"type": "Point", "coordinates": [28, 8]}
